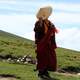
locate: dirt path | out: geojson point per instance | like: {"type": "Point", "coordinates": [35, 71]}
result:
{"type": "Point", "coordinates": [1, 78]}
{"type": "Point", "coordinates": [8, 77]}
{"type": "Point", "coordinates": [65, 74]}
{"type": "Point", "coordinates": [68, 74]}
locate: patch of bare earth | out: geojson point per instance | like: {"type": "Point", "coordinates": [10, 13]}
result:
{"type": "Point", "coordinates": [69, 72]}
{"type": "Point", "coordinates": [7, 77]}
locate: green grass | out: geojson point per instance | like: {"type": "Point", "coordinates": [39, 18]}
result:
{"type": "Point", "coordinates": [15, 45]}
{"type": "Point", "coordinates": [22, 71]}
{"type": "Point", "coordinates": [18, 46]}
{"type": "Point", "coordinates": [26, 72]}
{"type": "Point", "coordinates": [68, 57]}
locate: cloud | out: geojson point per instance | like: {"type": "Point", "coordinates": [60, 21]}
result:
{"type": "Point", "coordinates": [66, 18]}
{"type": "Point", "coordinates": [69, 38]}
{"type": "Point", "coordinates": [17, 24]}
{"type": "Point", "coordinates": [7, 1]}
{"type": "Point", "coordinates": [31, 6]}
{"type": "Point", "coordinates": [67, 7]}
{"type": "Point", "coordinates": [29, 35]}
{"type": "Point", "coordinates": [63, 13]}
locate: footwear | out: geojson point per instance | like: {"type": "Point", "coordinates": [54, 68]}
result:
{"type": "Point", "coordinates": [47, 74]}
{"type": "Point", "coordinates": [44, 76]}
{"type": "Point", "coordinates": [47, 77]}
{"type": "Point", "coordinates": [41, 76]}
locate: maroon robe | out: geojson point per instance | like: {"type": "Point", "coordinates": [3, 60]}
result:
{"type": "Point", "coordinates": [46, 56]}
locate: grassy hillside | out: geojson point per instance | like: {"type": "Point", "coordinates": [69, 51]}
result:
{"type": "Point", "coordinates": [18, 46]}
{"type": "Point", "coordinates": [67, 58]}
{"type": "Point", "coordinates": [15, 45]}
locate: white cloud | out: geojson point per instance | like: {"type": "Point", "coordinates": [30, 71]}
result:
{"type": "Point", "coordinates": [65, 18]}
{"type": "Point", "coordinates": [70, 7]}
{"type": "Point", "coordinates": [17, 24]}
{"type": "Point", "coordinates": [69, 38]}
{"type": "Point", "coordinates": [7, 1]}
{"type": "Point", "coordinates": [29, 35]}
{"type": "Point", "coordinates": [32, 6]}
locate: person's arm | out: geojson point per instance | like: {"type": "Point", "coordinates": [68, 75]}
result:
{"type": "Point", "coordinates": [39, 30]}
{"type": "Point", "coordinates": [36, 30]}
{"type": "Point", "coordinates": [55, 29]}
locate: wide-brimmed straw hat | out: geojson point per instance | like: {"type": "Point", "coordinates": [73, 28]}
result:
{"type": "Point", "coordinates": [44, 12]}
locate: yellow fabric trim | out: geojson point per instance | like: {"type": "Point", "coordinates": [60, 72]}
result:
{"type": "Point", "coordinates": [46, 24]}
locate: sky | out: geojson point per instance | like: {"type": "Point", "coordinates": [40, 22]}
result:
{"type": "Point", "coordinates": [19, 16]}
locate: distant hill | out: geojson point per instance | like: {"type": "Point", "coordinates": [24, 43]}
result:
{"type": "Point", "coordinates": [11, 36]}
{"type": "Point", "coordinates": [18, 46]}
{"type": "Point", "coordinates": [15, 45]}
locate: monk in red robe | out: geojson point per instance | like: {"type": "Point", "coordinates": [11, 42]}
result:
{"type": "Point", "coordinates": [46, 45]}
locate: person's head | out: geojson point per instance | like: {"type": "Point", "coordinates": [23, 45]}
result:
{"type": "Point", "coordinates": [44, 12]}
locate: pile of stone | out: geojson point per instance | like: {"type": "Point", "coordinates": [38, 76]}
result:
{"type": "Point", "coordinates": [20, 59]}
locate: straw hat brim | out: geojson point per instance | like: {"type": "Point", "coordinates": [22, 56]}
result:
{"type": "Point", "coordinates": [44, 12]}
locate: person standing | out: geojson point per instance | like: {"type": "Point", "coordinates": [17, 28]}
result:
{"type": "Point", "coordinates": [45, 43]}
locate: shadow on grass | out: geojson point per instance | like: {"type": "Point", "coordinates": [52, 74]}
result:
{"type": "Point", "coordinates": [48, 78]}
{"type": "Point", "coordinates": [8, 75]}
{"type": "Point", "coordinates": [71, 69]}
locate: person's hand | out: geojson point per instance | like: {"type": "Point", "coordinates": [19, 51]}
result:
{"type": "Point", "coordinates": [56, 30]}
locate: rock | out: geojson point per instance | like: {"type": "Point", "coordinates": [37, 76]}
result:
{"type": "Point", "coordinates": [9, 59]}
{"type": "Point", "coordinates": [25, 62]}
{"type": "Point", "coordinates": [7, 78]}
{"type": "Point", "coordinates": [78, 74]}
{"type": "Point", "coordinates": [19, 59]}
{"type": "Point", "coordinates": [28, 59]}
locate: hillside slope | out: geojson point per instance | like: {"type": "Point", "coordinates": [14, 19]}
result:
{"type": "Point", "coordinates": [18, 46]}
{"type": "Point", "coordinates": [15, 45]}
{"type": "Point", "coordinates": [68, 60]}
